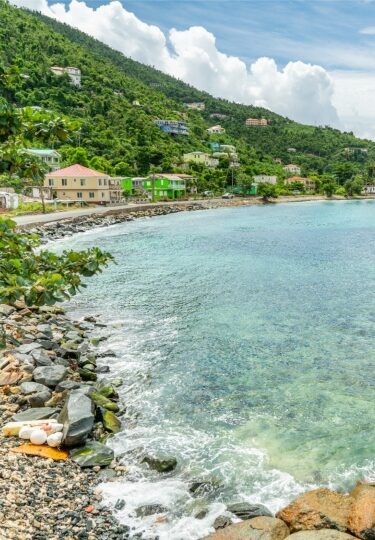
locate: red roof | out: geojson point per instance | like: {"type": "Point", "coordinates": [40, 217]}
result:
{"type": "Point", "coordinates": [76, 170]}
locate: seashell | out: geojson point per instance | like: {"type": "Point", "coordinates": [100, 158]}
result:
{"type": "Point", "coordinates": [38, 436]}
{"type": "Point", "coordinates": [25, 432]}
{"type": "Point", "coordinates": [54, 428]}
{"type": "Point", "coordinates": [55, 439]}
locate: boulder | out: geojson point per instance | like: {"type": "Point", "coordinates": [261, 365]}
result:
{"type": "Point", "coordinates": [49, 375]}
{"type": "Point", "coordinates": [362, 514]}
{"type": "Point", "coordinates": [87, 375]}
{"type": "Point", "coordinates": [160, 464]}
{"type": "Point", "coordinates": [107, 389]}
{"type": "Point", "coordinates": [26, 348]}
{"type": "Point", "coordinates": [221, 522]}
{"type": "Point", "coordinates": [104, 402]}
{"type": "Point", "coordinates": [32, 387]}
{"type": "Point", "coordinates": [245, 510]}
{"type": "Point", "coordinates": [6, 310]}
{"type": "Point", "coordinates": [41, 357]}
{"type": "Point", "coordinates": [67, 385]}
{"type": "Point", "coordinates": [39, 399]}
{"type": "Point", "coordinates": [78, 419]}
{"type": "Point", "coordinates": [323, 534]}
{"type": "Point", "coordinates": [92, 454]}
{"type": "Point", "coordinates": [150, 509]}
{"type": "Point", "coordinates": [259, 528]}
{"type": "Point", "coordinates": [111, 422]}
{"type": "Point", "coordinates": [318, 509]}
{"type": "Point", "coordinates": [37, 413]}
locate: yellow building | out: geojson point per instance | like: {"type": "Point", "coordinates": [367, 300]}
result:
{"type": "Point", "coordinates": [79, 183]}
{"type": "Point", "coordinates": [201, 157]}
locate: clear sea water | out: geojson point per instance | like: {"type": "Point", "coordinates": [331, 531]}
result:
{"type": "Point", "coordinates": [245, 338]}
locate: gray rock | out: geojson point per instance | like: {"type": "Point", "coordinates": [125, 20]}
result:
{"type": "Point", "coordinates": [73, 336]}
{"type": "Point", "coordinates": [26, 348]}
{"type": "Point", "coordinates": [61, 362]}
{"type": "Point", "coordinates": [48, 344]}
{"type": "Point", "coordinates": [41, 357]}
{"type": "Point", "coordinates": [85, 389]}
{"type": "Point", "coordinates": [120, 504]}
{"type": "Point", "coordinates": [45, 329]}
{"type": "Point", "coordinates": [92, 454]}
{"type": "Point", "coordinates": [6, 310]}
{"type": "Point", "coordinates": [150, 509]}
{"type": "Point", "coordinates": [39, 399]}
{"type": "Point", "coordinates": [32, 387]}
{"type": "Point", "coordinates": [245, 510]}
{"type": "Point", "coordinates": [49, 375]}
{"type": "Point", "coordinates": [38, 413]}
{"type": "Point", "coordinates": [67, 385]}
{"type": "Point", "coordinates": [161, 464]}
{"type": "Point", "coordinates": [78, 419]}
{"type": "Point", "coordinates": [221, 522]}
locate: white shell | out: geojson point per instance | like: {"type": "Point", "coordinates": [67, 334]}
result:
{"type": "Point", "coordinates": [55, 428]}
{"type": "Point", "coordinates": [25, 432]}
{"type": "Point", "coordinates": [38, 436]}
{"type": "Point", "coordinates": [55, 439]}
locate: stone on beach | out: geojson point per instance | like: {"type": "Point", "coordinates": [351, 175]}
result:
{"type": "Point", "coordinates": [49, 375]}
{"type": "Point", "coordinates": [161, 464]}
{"type": "Point", "coordinates": [322, 534]}
{"type": "Point", "coordinates": [78, 419]}
{"type": "Point", "coordinates": [36, 413]}
{"type": "Point", "coordinates": [92, 454]}
{"type": "Point", "coordinates": [32, 387]}
{"type": "Point", "coordinates": [259, 528]}
{"type": "Point", "coordinates": [111, 422]}
{"type": "Point", "coordinates": [245, 510]}
{"type": "Point", "coordinates": [362, 513]}
{"type": "Point", "coordinates": [318, 509]}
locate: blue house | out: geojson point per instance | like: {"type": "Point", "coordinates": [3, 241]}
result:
{"type": "Point", "coordinates": [172, 127]}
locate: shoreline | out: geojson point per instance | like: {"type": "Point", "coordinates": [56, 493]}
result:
{"type": "Point", "coordinates": [75, 506]}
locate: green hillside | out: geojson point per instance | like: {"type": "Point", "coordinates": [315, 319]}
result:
{"type": "Point", "coordinates": [120, 136]}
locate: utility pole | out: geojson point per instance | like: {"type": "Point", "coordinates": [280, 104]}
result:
{"type": "Point", "coordinates": [153, 187]}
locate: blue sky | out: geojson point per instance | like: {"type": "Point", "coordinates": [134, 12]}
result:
{"type": "Point", "coordinates": [286, 30]}
{"type": "Point", "coordinates": [310, 60]}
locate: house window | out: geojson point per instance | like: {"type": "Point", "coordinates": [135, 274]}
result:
{"type": "Point", "coordinates": [91, 194]}
{"type": "Point", "coordinates": [83, 182]}
{"type": "Point", "coordinates": [104, 181]}
{"type": "Point", "coordinates": [103, 194]}
{"type": "Point", "coordinates": [100, 181]}
{"type": "Point", "coordinates": [79, 194]}
{"type": "Point", "coordinates": [64, 182]}
{"type": "Point", "coordinates": [50, 182]}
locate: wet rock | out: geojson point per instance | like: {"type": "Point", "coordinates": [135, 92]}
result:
{"type": "Point", "coordinates": [103, 369]}
{"type": "Point", "coordinates": [87, 375]}
{"type": "Point", "coordinates": [104, 402]}
{"type": "Point", "coordinates": [245, 510]}
{"type": "Point", "coordinates": [111, 422]}
{"type": "Point", "coordinates": [26, 348]}
{"type": "Point", "coordinates": [150, 509]}
{"type": "Point", "coordinates": [160, 464]}
{"type": "Point", "coordinates": [259, 528]}
{"type": "Point", "coordinates": [362, 513]}
{"type": "Point", "coordinates": [107, 389]}
{"type": "Point", "coordinates": [67, 385]}
{"type": "Point", "coordinates": [6, 310]}
{"type": "Point", "coordinates": [78, 419]}
{"type": "Point", "coordinates": [92, 454]}
{"type": "Point", "coordinates": [323, 534]}
{"type": "Point", "coordinates": [318, 509]}
{"type": "Point", "coordinates": [221, 522]}
{"type": "Point", "coordinates": [120, 504]}
{"type": "Point", "coordinates": [32, 387]}
{"type": "Point", "coordinates": [39, 399]}
{"type": "Point", "coordinates": [49, 375]}
{"type": "Point", "coordinates": [37, 413]}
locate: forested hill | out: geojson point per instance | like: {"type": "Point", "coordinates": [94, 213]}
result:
{"type": "Point", "coordinates": [119, 100]}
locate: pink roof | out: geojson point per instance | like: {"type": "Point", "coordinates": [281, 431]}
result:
{"type": "Point", "coordinates": [77, 170]}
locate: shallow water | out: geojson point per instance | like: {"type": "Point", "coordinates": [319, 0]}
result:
{"type": "Point", "coordinates": [245, 340]}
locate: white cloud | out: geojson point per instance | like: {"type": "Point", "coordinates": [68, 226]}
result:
{"type": "Point", "coordinates": [301, 91]}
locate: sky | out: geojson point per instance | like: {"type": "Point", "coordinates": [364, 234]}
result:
{"type": "Point", "coordinates": [310, 60]}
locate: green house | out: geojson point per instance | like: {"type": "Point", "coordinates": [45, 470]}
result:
{"type": "Point", "coordinates": [165, 186]}
{"type": "Point", "coordinates": [239, 190]}
{"type": "Point", "coordinates": [127, 186]}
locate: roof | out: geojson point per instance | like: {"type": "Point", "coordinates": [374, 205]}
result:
{"type": "Point", "coordinates": [77, 170]}
{"type": "Point", "coordinates": [43, 152]}
{"type": "Point", "coordinates": [173, 175]}
{"type": "Point", "coordinates": [291, 165]}
{"type": "Point", "coordinates": [297, 178]}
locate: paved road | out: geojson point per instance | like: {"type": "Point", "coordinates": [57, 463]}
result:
{"type": "Point", "coordinates": [77, 212]}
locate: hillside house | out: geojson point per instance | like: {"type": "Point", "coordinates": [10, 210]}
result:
{"type": "Point", "coordinates": [51, 158]}
{"type": "Point", "coordinates": [369, 189]}
{"type": "Point", "coordinates": [8, 199]}
{"type": "Point", "coordinates": [220, 116]}
{"type": "Point", "coordinates": [166, 186]}
{"type": "Point", "coordinates": [202, 158]}
{"type": "Point", "coordinates": [292, 169]}
{"type": "Point", "coordinates": [195, 106]}
{"type": "Point", "coordinates": [256, 122]}
{"type": "Point", "coordinates": [307, 182]}
{"type": "Point", "coordinates": [83, 184]}
{"type": "Point", "coordinates": [173, 127]}
{"type": "Point", "coordinates": [74, 73]}
{"type": "Point", "coordinates": [264, 179]}
{"type": "Point", "coordinates": [216, 129]}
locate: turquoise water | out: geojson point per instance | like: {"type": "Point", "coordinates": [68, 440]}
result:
{"type": "Point", "coordinates": [245, 337]}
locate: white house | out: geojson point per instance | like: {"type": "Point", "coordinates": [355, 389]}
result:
{"type": "Point", "coordinates": [216, 129]}
{"type": "Point", "coordinates": [292, 169]}
{"type": "Point", "coordinates": [195, 106]}
{"type": "Point", "coordinates": [264, 179]}
{"type": "Point", "coordinates": [369, 189]}
{"type": "Point", "coordinates": [48, 156]}
{"type": "Point", "coordinates": [73, 72]}
{"type": "Point", "coordinates": [8, 200]}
